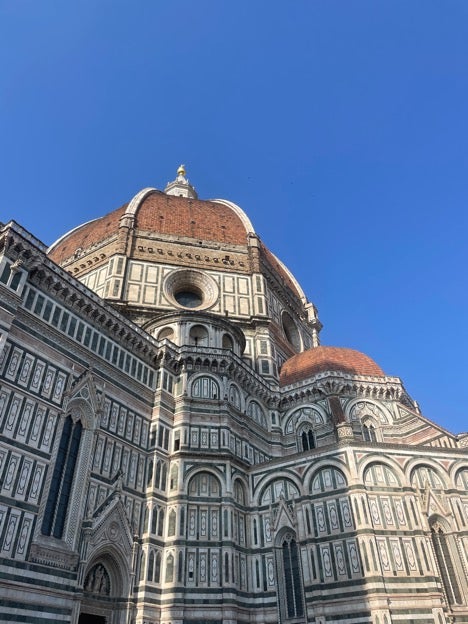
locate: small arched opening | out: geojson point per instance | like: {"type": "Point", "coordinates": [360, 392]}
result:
{"type": "Point", "coordinates": [199, 336]}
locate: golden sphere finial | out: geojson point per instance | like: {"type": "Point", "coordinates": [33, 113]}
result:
{"type": "Point", "coordinates": [181, 170]}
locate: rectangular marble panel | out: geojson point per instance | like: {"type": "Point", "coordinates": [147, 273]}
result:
{"type": "Point", "coordinates": [14, 363]}
{"type": "Point", "coordinates": [11, 528]}
{"type": "Point", "coordinates": [13, 415]}
{"type": "Point", "coordinates": [23, 478]}
{"type": "Point", "coordinates": [25, 421]}
{"type": "Point", "coordinates": [9, 476]}
{"type": "Point", "coordinates": [59, 387]}
{"type": "Point", "coordinates": [37, 377]}
{"type": "Point", "coordinates": [24, 536]}
{"type": "Point", "coordinates": [48, 433]}
{"type": "Point", "coordinates": [48, 382]}
{"type": "Point", "coordinates": [26, 370]}
{"type": "Point", "coordinates": [36, 482]}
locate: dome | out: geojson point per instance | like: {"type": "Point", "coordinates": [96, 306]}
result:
{"type": "Point", "coordinates": [177, 217]}
{"type": "Point", "coordinates": [169, 250]}
{"type": "Point", "coordinates": [323, 359]}
{"type": "Point", "coordinates": [154, 211]}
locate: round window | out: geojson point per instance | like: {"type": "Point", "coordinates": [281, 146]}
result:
{"type": "Point", "coordinates": [187, 288]}
{"type": "Point", "coordinates": [188, 298]}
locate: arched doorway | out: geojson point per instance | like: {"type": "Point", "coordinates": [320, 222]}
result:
{"type": "Point", "coordinates": [105, 592]}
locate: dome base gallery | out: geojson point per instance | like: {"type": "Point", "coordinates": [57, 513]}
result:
{"type": "Point", "coordinates": [177, 446]}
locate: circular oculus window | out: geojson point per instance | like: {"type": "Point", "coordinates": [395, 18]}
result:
{"type": "Point", "coordinates": [189, 298]}
{"type": "Point", "coordinates": [191, 290]}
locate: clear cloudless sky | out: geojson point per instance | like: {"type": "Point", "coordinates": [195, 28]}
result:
{"type": "Point", "coordinates": [339, 126]}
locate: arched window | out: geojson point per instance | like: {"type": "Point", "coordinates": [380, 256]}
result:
{"type": "Point", "coordinates": [157, 568]}
{"type": "Point", "coordinates": [291, 579]}
{"type": "Point", "coordinates": [256, 413]}
{"type": "Point", "coordinates": [174, 477]}
{"type": "Point", "coordinates": [369, 433]}
{"type": "Point", "coordinates": [461, 479]}
{"type": "Point", "coordinates": [149, 475]}
{"type": "Point", "coordinates": [239, 492]}
{"type": "Point", "coordinates": [161, 522]}
{"type": "Point", "coordinates": [199, 336]}
{"type": "Point", "coordinates": [167, 332]}
{"type": "Point", "coordinates": [227, 342]}
{"type": "Point", "coordinates": [160, 475]}
{"type": "Point", "coordinates": [226, 568]}
{"type": "Point", "coordinates": [62, 479]}
{"type": "Point", "coordinates": [154, 520]}
{"type": "Point", "coordinates": [169, 568]}
{"type": "Point", "coordinates": [445, 551]}
{"type": "Point", "coordinates": [163, 476]}
{"type": "Point", "coordinates": [142, 567]}
{"type": "Point", "coordinates": [378, 475]}
{"type": "Point", "coordinates": [307, 439]}
{"type": "Point", "coordinates": [423, 476]}
{"type": "Point", "coordinates": [327, 480]}
{"type": "Point", "coordinates": [234, 396]}
{"type": "Point", "coordinates": [204, 484]}
{"type": "Point", "coordinates": [150, 574]}
{"type": "Point", "coordinates": [157, 478]}
{"type": "Point", "coordinates": [171, 523]}
{"type": "Point", "coordinates": [205, 388]}
{"type": "Point", "coordinates": [257, 574]}
{"type": "Point", "coordinates": [277, 489]}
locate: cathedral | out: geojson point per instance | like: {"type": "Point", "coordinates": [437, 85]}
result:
{"type": "Point", "coordinates": [178, 447]}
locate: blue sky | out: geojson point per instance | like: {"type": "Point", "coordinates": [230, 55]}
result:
{"type": "Point", "coordinates": [340, 127]}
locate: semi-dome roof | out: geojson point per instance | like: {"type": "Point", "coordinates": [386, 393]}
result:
{"type": "Point", "coordinates": [323, 359]}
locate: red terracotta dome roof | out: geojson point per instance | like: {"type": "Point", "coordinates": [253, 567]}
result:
{"type": "Point", "coordinates": [163, 214]}
{"type": "Point", "coordinates": [193, 218]}
{"type": "Point", "coordinates": [322, 359]}
{"type": "Point", "coordinates": [86, 235]}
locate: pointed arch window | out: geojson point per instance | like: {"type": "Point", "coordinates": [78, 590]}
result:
{"type": "Point", "coordinates": [226, 568]}
{"type": "Point", "coordinates": [288, 563]}
{"type": "Point", "coordinates": [154, 520]}
{"type": "Point", "coordinates": [444, 549]}
{"type": "Point", "coordinates": [235, 397]}
{"type": "Point", "coordinates": [307, 440]}
{"type": "Point", "coordinates": [169, 569]}
{"type": "Point", "coordinates": [157, 567]}
{"type": "Point", "coordinates": [256, 413]}
{"type": "Point", "coordinates": [62, 479]}
{"type": "Point", "coordinates": [172, 523]}
{"type": "Point", "coordinates": [150, 566]}
{"type": "Point", "coordinates": [149, 476]}
{"type": "Point", "coordinates": [174, 477]}
{"type": "Point", "coordinates": [369, 433]}
{"type": "Point", "coordinates": [161, 522]}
